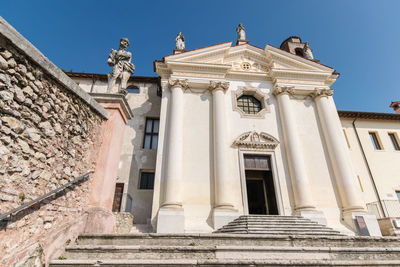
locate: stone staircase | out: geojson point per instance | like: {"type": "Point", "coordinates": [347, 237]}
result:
{"type": "Point", "coordinates": [277, 225]}
{"type": "Point", "coordinates": [219, 249]}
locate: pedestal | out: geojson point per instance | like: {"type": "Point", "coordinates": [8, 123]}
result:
{"type": "Point", "coordinates": [222, 217]}
{"type": "Point", "coordinates": [313, 215]}
{"type": "Point", "coordinates": [370, 221]}
{"type": "Point", "coordinates": [101, 196]}
{"type": "Point", "coordinates": [170, 221]}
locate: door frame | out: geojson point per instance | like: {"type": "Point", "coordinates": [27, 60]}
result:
{"type": "Point", "coordinates": [278, 195]}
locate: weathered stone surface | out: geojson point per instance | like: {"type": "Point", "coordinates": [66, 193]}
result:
{"type": "Point", "coordinates": [47, 128]}
{"type": "Point", "coordinates": [36, 144]}
{"type": "Point", "coordinates": [3, 63]}
{"type": "Point", "coordinates": [15, 124]}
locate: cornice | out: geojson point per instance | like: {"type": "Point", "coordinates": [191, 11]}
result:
{"type": "Point", "coordinates": [256, 141]}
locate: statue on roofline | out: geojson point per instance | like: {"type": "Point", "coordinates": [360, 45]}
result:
{"type": "Point", "coordinates": [241, 34]}
{"type": "Point", "coordinates": [180, 41]}
{"type": "Point", "coordinates": [307, 51]}
{"type": "Point", "coordinates": [120, 60]}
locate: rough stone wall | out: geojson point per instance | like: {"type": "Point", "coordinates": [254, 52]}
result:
{"type": "Point", "coordinates": [48, 137]}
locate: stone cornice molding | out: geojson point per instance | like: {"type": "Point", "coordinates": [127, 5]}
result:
{"type": "Point", "coordinates": [256, 141]}
{"type": "Point", "coordinates": [216, 85]}
{"type": "Point", "coordinates": [181, 83]}
{"type": "Point", "coordinates": [321, 92]}
{"type": "Point", "coordinates": [279, 90]}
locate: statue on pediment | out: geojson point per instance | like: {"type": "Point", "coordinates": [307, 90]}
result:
{"type": "Point", "coordinates": [180, 41]}
{"type": "Point", "coordinates": [307, 51]}
{"type": "Point", "coordinates": [120, 60]}
{"type": "Point", "coordinates": [241, 34]}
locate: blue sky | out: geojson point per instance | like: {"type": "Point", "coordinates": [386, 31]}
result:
{"type": "Point", "coordinates": [360, 39]}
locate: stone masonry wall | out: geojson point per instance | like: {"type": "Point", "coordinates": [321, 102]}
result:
{"type": "Point", "coordinates": [48, 137]}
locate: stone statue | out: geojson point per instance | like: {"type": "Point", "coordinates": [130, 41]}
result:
{"type": "Point", "coordinates": [241, 33]}
{"type": "Point", "coordinates": [307, 52]}
{"type": "Point", "coordinates": [180, 41]}
{"type": "Point", "coordinates": [120, 60]}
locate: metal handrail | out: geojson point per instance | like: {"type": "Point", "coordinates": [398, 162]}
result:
{"type": "Point", "coordinates": [36, 200]}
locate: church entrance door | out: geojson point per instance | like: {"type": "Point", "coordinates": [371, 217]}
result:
{"type": "Point", "coordinates": [261, 197]}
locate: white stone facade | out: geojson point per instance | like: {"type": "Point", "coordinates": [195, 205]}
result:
{"type": "Point", "coordinates": [204, 137]}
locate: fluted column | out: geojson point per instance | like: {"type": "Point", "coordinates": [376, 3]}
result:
{"type": "Point", "coordinates": [300, 182]}
{"type": "Point", "coordinates": [337, 150]}
{"type": "Point", "coordinates": [171, 218]}
{"type": "Point", "coordinates": [173, 174]}
{"type": "Point", "coordinates": [223, 211]}
{"type": "Point", "coordinates": [221, 164]}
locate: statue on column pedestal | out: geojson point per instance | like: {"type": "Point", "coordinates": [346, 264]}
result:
{"type": "Point", "coordinates": [120, 60]}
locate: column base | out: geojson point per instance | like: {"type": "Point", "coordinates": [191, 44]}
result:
{"type": "Point", "coordinates": [170, 220]}
{"type": "Point", "coordinates": [100, 221]}
{"type": "Point", "coordinates": [370, 220]}
{"type": "Point", "coordinates": [223, 216]}
{"type": "Point", "coordinates": [313, 215]}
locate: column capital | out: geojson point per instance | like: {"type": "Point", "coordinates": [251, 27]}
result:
{"type": "Point", "coordinates": [214, 85]}
{"type": "Point", "coordinates": [279, 90]}
{"type": "Point", "coordinates": [321, 92]}
{"type": "Point", "coordinates": [182, 83]}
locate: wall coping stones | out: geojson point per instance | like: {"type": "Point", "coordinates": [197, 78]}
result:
{"type": "Point", "coordinates": [33, 53]}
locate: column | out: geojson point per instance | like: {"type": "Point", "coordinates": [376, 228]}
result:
{"type": "Point", "coordinates": [171, 215]}
{"type": "Point", "coordinates": [345, 177]}
{"type": "Point", "coordinates": [304, 204]}
{"type": "Point", "coordinates": [101, 196]}
{"type": "Point", "coordinates": [223, 211]}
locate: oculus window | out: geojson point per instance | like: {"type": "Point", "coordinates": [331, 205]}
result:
{"type": "Point", "coordinates": [249, 104]}
{"type": "Point", "coordinates": [146, 180]}
{"type": "Point", "coordinates": [151, 134]}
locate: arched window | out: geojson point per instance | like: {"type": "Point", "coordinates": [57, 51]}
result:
{"type": "Point", "coordinates": [249, 104]}
{"type": "Point", "coordinates": [299, 52]}
{"type": "Point", "coordinates": [133, 89]}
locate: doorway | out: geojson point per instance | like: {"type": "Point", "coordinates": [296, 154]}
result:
{"type": "Point", "coordinates": [261, 197]}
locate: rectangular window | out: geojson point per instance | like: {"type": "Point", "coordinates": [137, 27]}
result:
{"type": "Point", "coordinates": [398, 195]}
{"type": "Point", "coordinates": [375, 141]}
{"type": "Point", "coordinates": [151, 134]}
{"type": "Point", "coordinates": [119, 190]}
{"type": "Point", "coordinates": [146, 180]}
{"type": "Point", "coordinates": [395, 143]}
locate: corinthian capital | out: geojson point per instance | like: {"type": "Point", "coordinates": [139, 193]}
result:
{"type": "Point", "coordinates": [218, 85]}
{"type": "Point", "coordinates": [178, 83]}
{"type": "Point", "coordinates": [322, 92]}
{"type": "Point", "coordinates": [283, 90]}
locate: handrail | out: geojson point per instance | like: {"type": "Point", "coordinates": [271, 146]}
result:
{"type": "Point", "coordinates": [30, 203]}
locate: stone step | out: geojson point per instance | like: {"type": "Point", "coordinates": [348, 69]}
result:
{"type": "Point", "coordinates": [107, 252]}
{"type": "Point", "coordinates": [141, 228]}
{"type": "Point", "coordinates": [221, 262]}
{"type": "Point", "coordinates": [279, 233]}
{"type": "Point", "coordinates": [273, 226]}
{"type": "Point", "coordinates": [237, 240]}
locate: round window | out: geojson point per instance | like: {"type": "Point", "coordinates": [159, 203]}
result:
{"type": "Point", "coordinates": [246, 66]}
{"type": "Point", "coordinates": [249, 104]}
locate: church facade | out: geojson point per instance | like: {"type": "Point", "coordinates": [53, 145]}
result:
{"type": "Point", "coordinates": [230, 130]}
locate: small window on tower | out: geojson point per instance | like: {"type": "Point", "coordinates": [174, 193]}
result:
{"type": "Point", "coordinates": [249, 104]}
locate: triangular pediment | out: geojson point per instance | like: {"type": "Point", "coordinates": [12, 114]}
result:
{"type": "Point", "coordinates": [218, 61]}
{"type": "Point", "coordinates": [257, 141]}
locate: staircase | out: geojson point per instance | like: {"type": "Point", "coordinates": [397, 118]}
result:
{"type": "Point", "coordinates": [277, 225]}
{"type": "Point", "coordinates": [247, 241]}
